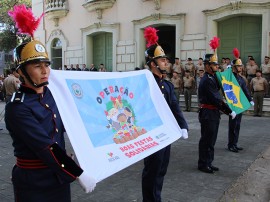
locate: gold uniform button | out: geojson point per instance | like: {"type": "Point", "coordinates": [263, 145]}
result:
{"type": "Point", "coordinates": [51, 148]}
{"type": "Point", "coordinates": [162, 86]}
{"type": "Point", "coordinates": [63, 165]}
{"type": "Point", "coordinates": [47, 105]}
{"type": "Point", "coordinates": [54, 116]}
{"type": "Point", "coordinates": [56, 130]}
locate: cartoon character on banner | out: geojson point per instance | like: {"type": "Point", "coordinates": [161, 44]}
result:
{"type": "Point", "coordinates": [122, 121]}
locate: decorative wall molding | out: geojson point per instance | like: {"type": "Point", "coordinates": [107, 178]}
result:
{"type": "Point", "coordinates": [56, 9]}
{"type": "Point", "coordinates": [236, 5]}
{"type": "Point", "coordinates": [159, 16]}
{"type": "Point", "coordinates": [157, 3]}
{"type": "Point", "coordinates": [98, 6]}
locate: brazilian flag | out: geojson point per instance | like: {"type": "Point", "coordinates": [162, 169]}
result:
{"type": "Point", "coordinates": [236, 99]}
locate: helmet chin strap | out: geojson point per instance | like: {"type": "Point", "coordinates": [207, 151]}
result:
{"type": "Point", "coordinates": [30, 80]}
{"type": "Point", "coordinates": [211, 69]}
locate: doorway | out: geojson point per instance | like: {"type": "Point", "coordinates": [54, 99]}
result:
{"type": "Point", "coordinates": [242, 32]}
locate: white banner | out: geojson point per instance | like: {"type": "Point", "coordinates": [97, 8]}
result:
{"type": "Point", "coordinates": [113, 119]}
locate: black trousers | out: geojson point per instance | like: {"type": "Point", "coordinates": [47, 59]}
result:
{"type": "Point", "coordinates": [61, 193]}
{"type": "Point", "coordinates": [209, 131]}
{"type": "Point", "coordinates": [234, 129]}
{"type": "Point", "coordinates": [38, 185]}
{"type": "Point", "coordinates": [155, 168]}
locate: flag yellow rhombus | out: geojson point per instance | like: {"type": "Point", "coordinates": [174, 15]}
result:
{"type": "Point", "coordinates": [232, 93]}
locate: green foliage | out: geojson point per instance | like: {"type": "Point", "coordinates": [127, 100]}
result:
{"type": "Point", "coordinates": [8, 34]}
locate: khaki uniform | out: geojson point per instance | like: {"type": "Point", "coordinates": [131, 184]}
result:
{"type": "Point", "coordinates": [10, 85]}
{"type": "Point", "coordinates": [259, 86]}
{"type": "Point", "coordinates": [251, 71]}
{"type": "Point", "coordinates": [199, 67]}
{"type": "Point", "coordinates": [191, 68]}
{"type": "Point", "coordinates": [188, 87]}
{"type": "Point", "coordinates": [179, 69]}
{"type": "Point", "coordinates": [169, 71]}
{"type": "Point", "coordinates": [266, 74]}
{"type": "Point", "coordinates": [223, 67]}
{"type": "Point", "coordinates": [177, 83]}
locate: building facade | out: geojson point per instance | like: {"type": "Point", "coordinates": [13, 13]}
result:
{"type": "Point", "coordinates": [111, 31]}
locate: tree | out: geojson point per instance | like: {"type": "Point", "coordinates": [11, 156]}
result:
{"type": "Point", "coordinates": [9, 37]}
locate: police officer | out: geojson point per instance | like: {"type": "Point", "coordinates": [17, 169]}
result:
{"type": "Point", "coordinates": [155, 165]}
{"type": "Point", "coordinates": [209, 114]}
{"type": "Point", "coordinates": [234, 124]}
{"type": "Point", "coordinates": [43, 170]}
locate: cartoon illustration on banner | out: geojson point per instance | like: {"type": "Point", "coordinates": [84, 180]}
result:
{"type": "Point", "coordinates": [121, 110]}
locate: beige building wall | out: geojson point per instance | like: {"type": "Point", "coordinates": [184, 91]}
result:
{"type": "Point", "coordinates": [195, 24]}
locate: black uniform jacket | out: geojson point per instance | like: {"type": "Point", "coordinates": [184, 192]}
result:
{"type": "Point", "coordinates": [37, 131]}
{"type": "Point", "coordinates": [167, 90]}
{"type": "Point", "coordinates": [209, 94]}
{"type": "Point", "coordinates": [242, 84]}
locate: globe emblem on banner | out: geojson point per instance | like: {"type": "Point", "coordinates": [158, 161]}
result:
{"type": "Point", "coordinates": [77, 90]}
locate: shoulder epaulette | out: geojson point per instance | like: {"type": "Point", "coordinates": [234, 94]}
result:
{"type": "Point", "coordinates": [17, 97]}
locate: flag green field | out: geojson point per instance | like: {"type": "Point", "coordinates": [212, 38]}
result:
{"type": "Point", "coordinates": [235, 97]}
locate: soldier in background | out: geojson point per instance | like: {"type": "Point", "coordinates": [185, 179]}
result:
{"type": "Point", "coordinates": [199, 66]}
{"type": "Point", "coordinates": [11, 84]}
{"type": "Point", "coordinates": [178, 67]}
{"type": "Point", "coordinates": [251, 69]}
{"type": "Point", "coordinates": [190, 67]}
{"type": "Point", "coordinates": [259, 87]}
{"type": "Point", "coordinates": [177, 83]}
{"type": "Point", "coordinates": [188, 84]}
{"type": "Point", "coordinates": [265, 68]}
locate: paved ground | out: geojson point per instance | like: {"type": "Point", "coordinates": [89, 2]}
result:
{"type": "Point", "coordinates": [183, 181]}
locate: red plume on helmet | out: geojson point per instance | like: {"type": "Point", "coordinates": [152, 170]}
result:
{"type": "Point", "coordinates": [27, 24]}
{"type": "Point", "coordinates": [236, 53]}
{"type": "Point", "coordinates": [25, 20]}
{"type": "Point", "coordinates": [237, 60]}
{"type": "Point", "coordinates": [214, 43]}
{"type": "Point", "coordinates": [150, 35]}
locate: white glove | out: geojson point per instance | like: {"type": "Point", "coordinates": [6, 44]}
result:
{"type": "Point", "coordinates": [252, 103]}
{"type": "Point", "coordinates": [233, 114]}
{"type": "Point", "coordinates": [88, 183]}
{"type": "Point", "coordinates": [184, 134]}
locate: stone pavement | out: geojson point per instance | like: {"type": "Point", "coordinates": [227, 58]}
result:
{"type": "Point", "coordinates": [183, 181]}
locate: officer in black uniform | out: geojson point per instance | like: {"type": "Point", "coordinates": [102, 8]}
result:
{"type": "Point", "coordinates": [155, 165]}
{"type": "Point", "coordinates": [234, 124]}
{"type": "Point", "coordinates": [43, 170]}
{"type": "Point", "coordinates": [209, 114]}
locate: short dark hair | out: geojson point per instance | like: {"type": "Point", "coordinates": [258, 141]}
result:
{"type": "Point", "coordinates": [189, 59]}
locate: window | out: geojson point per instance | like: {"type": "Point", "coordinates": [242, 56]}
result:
{"type": "Point", "coordinates": [56, 51]}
